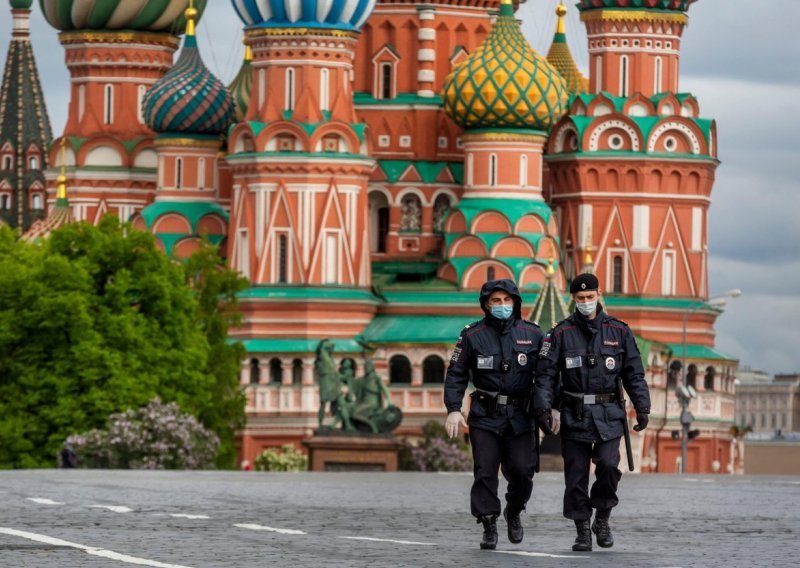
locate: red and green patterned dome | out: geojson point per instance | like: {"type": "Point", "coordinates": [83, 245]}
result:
{"type": "Point", "coordinates": [677, 5]}
{"type": "Point", "coordinates": [135, 15]}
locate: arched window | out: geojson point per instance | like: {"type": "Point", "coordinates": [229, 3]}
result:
{"type": "Point", "coordinates": [275, 370]}
{"type": "Point", "coordinates": [37, 201]}
{"type": "Point", "coordinates": [673, 372]}
{"type": "Point", "coordinates": [297, 371]}
{"type": "Point", "coordinates": [623, 76]}
{"type": "Point", "coordinates": [470, 168]}
{"type": "Point", "coordinates": [324, 89]}
{"type": "Point", "coordinates": [378, 221]}
{"type": "Point", "coordinates": [617, 274]}
{"type": "Point", "coordinates": [289, 93]}
{"type": "Point", "coordinates": [178, 173]}
{"type": "Point", "coordinates": [33, 163]}
{"type": "Point", "coordinates": [283, 260]}
{"type": "Point", "coordinates": [598, 72]}
{"type": "Point", "coordinates": [255, 371]}
{"type": "Point", "coordinates": [658, 74]}
{"type": "Point", "coordinates": [708, 382]}
{"type": "Point", "coordinates": [108, 105]}
{"type": "Point", "coordinates": [412, 213]}
{"type": "Point", "coordinates": [493, 170]}
{"type": "Point", "coordinates": [8, 162]}
{"type": "Point", "coordinates": [5, 202]}
{"type": "Point", "coordinates": [433, 370]}
{"type": "Point", "coordinates": [441, 207]}
{"type": "Point", "coordinates": [523, 170]}
{"type": "Point", "coordinates": [140, 92]}
{"type": "Point", "coordinates": [400, 370]}
{"type": "Point", "coordinates": [691, 376]}
{"type": "Point", "coordinates": [81, 101]}
{"type": "Point", "coordinates": [490, 273]}
{"type": "Point", "coordinates": [386, 81]}
{"type": "Point", "coordinates": [201, 173]}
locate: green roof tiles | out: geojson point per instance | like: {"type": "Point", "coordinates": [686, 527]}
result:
{"type": "Point", "coordinates": [193, 211]}
{"type": "Point", "coordinates": [417, 329]}
{"type": "Point", "coordinates": [655, 302]}
{"type": "Point", "coordinates": [512, 209]}
{"type": "Point", "coordinates": [299, 345]}
{"type": "Point", "coordinates": [699, 352]}
{"type": "Point", "coordinates": [428, 171]}
{"type": "Point", "coordinates": [317, 293]}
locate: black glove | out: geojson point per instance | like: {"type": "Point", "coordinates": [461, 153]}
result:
{"type": "Point", "coordinates": [544, 419]}
{"type": "Point", "coordinates": [642, 419]}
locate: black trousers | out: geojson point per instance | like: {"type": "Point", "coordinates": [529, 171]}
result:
{"type": "Point", "coordinates": [516, 455]}
{"type": "Point", "coordinates": [578, 500]}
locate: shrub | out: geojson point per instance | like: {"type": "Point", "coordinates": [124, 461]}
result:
{"type": "Point", "coordinates": [436, 451]}
{"type": "Point", "coordinates": [156, 436]}
{"type": "Point", "coordinates": [285, 458]}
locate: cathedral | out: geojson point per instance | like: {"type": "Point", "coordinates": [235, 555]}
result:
{"type": "Point", "coordinates": [372, 164]}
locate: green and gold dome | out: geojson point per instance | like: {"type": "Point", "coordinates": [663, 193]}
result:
{"type": "Point", "coordinates": [504, 83]}
{"type": "Point", "coordinates": [561, 58]}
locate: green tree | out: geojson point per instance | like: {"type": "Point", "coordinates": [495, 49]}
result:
{"type": "Point", "coordinates": [97, 320]}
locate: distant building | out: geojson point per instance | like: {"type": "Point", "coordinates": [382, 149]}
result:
{"type": "Point", "coordinates": [772, 407]}
{"type": "Point", "coordinates": [746, 375]}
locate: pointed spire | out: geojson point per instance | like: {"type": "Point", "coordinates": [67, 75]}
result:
{"type": "Point", "coordinates": [24, 124]}
{"type": "Point", "coordinates": [561, 58]}
{"type": "Point", "coordinates": [550, 307]}
{"type": "Point", "coordinates": [60, 214]}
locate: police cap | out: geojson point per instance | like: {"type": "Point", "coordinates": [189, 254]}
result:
{"type": "Point", "coordinates": [583, 283]}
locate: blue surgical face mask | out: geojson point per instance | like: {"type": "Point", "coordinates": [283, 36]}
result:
{"type": "Point", "coordinates": [502, 312]}
{"type": "Point", "coordinates": [586, 308]}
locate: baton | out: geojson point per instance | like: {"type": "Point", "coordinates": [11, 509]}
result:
{"type": "Point", "coordinates": [621, 401]}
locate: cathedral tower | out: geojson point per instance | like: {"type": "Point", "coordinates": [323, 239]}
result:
{"type": "Point", "coordinates": [24, 128]}
{"type": "Point", "coordinates": [114, 52]}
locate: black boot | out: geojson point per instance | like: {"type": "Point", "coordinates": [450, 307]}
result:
{"type": "Point", "coordinates": [489, 540]}
{"type": "Point", "coordinates": [514, 526]}
{"type": "Point", "coordinates": [583, 542]}
{"type": "Point", "coordinates": [600, 527]}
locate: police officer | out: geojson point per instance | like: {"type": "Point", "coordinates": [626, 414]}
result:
{"type": "Point", "coordinates": [579, 363]}
{"type": "Point", "coordinates": [499, 354]}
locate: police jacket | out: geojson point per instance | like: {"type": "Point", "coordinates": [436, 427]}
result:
{"type": "Point", "coordinates": [582, 356]}
{"type": "Point", "coordinates": [500, 357]}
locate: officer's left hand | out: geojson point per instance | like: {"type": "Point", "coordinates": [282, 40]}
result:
{"type": "Point", "coordinates": [642, 419]}
{"type": "Point", "coordinates": [556, 421]}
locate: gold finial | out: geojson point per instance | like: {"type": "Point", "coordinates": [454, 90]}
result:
{"type": "Point", "coordinates": [191, 18]}
{"type": "Point", "coordinates": [561, 11]}
{"type": "Point", "coordinates": [587, 259]}
{"type": "Point", "coordinates": [550, 269]}
{"type": "Point", "coordinates": [506, 2]}
{"type": "Point", "coordinates": [61, 192]}
{"type": "Point", "coordinates": [248, 51]}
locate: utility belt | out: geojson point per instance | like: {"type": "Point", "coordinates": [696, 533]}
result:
{"type": "Point", "coordinates": [576, 400]}
{"type": "Point", "coordinates": [493, 403]}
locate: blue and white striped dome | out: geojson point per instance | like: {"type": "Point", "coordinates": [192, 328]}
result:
{"type": "Point", "coordinates": [325, 14]}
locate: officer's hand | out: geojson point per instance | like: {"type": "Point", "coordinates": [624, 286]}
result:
{"type": "Point", "coordinates": [454, 420]}
{"type": "Point", "coordinates": [642, 419]}
{"type": "Point", "coordinates": [544, 419]}
{"type": "Point", "coordinates": [556, 421]}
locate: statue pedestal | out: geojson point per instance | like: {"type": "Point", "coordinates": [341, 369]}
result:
{"type": "Point", "coordinates": [346, 452]}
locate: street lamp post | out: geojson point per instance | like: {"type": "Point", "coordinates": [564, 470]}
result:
{"type": "Point", "coordinates": [686, 392]}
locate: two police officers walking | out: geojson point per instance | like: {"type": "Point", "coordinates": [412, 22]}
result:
{"type": "Point", "coordinates": [582, 367]}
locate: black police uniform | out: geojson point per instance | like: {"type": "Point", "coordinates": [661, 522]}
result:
{"type": "Point", "coordinates": [500, 357]}
{"type": "Point", "coordinates": [581, 357]}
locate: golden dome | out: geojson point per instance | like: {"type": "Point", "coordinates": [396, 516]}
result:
{"type": "Point", "coordinates": [504, 83]}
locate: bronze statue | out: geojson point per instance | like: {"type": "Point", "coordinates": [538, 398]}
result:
{"type": "Point", "coordinates": [357, 403]}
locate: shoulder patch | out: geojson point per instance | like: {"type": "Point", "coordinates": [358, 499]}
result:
{"type": "Point", "coordinates": [529, 322]}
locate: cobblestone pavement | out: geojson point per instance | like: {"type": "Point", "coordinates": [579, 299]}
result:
{"type": "Point", "coordinates": [114, 519]}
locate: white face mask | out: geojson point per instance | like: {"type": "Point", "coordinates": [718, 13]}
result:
{"type": "Point", "coordinates": [586, 308]}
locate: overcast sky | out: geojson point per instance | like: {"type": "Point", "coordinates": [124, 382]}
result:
{"type": "Point", "coordinates": [741, 63]}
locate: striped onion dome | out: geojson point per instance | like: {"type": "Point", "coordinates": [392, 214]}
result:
{"type": "Point", "coordinates": [136, 15]}
{"type": "Point", "coordinates": [330, 14]}
{"type": "Point", "coordinates": [680, 5]}
{"type": "Point", "coordinates": [242, 85]}
{"type": "Point", "coordinates": [504, 83]}
{"type": "Point", "coordinates": [189, 99]}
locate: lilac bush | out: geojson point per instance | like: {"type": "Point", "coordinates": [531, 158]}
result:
{"type": "Point", "coordinates": [156, 436]}
{"type": "Point", "coordinates": [436, 452]}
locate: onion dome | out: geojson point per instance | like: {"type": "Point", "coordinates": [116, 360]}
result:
{"type": "Point", "coordinates": [189, 99]}
{"type": "Point", "coordinates": [678, 5]}
{"type": "Point", "coordinates": [21, 4]}
{"type": "Point", "coordinates": [132, 15]}
{"type": "Point", "coordinates": [242, 85]}
{"type": "Point", "coordinates": [330, 14]}
{"type": "Point", "coordinates": [560, 57]}
{"type": "Point", "coordinates": [504, 83]}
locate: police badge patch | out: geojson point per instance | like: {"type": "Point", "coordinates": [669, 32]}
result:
{"type": "Point", "coordinates": [610, 363]}
{"type": "Point", "coordinates": [486, 362]}
{"type": "Point", "coordinates": [456, 354]}
{"type": "Point", "coordinates": [545, 349]}
{"type": "Point", "coordinates": [522, 359]}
